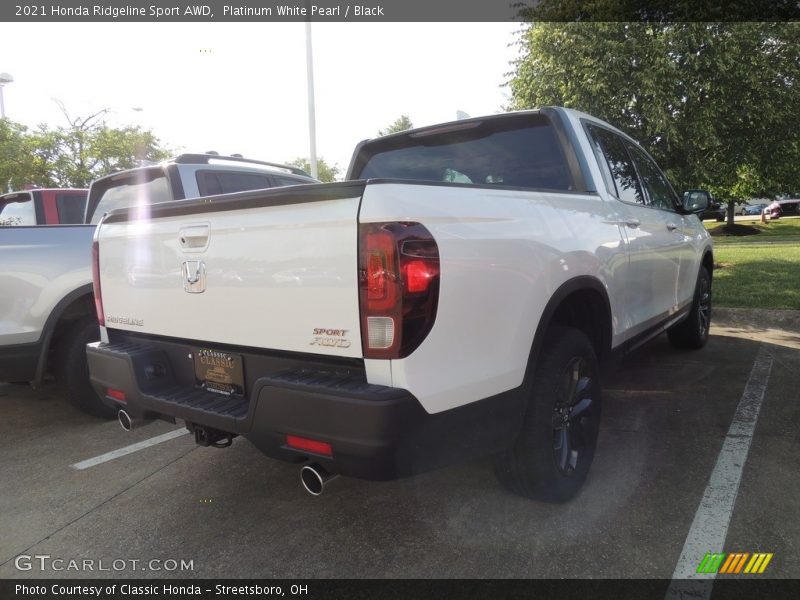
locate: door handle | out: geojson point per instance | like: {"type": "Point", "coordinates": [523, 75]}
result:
{"type": "Point", "coordinates": [672, 226]}
{"type": "Point", "coordinates": [632, 223]}
{"type": "Point", "coordinates": [194, 237]}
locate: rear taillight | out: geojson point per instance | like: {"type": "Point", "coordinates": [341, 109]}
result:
{"type": "Point", "coordinates": [398, 287]}
{"type": "Point", "coordinates": [98, 296]}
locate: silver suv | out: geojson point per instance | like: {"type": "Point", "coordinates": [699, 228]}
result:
{"type": "Point", "coordinates": [187, 176]}
{"type": "Point", "coordinates": [47, 300]}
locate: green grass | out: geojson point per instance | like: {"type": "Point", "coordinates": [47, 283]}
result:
{"type": "Point", "coordinates": [757, 275]}
{"type": "Point", "coordinates": [780, 231]}
{"type": "Point", "coordinates": [760, 270]}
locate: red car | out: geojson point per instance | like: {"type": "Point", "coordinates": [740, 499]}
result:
{"type": "Point", "coordinates": [789, 206]}
{"type": "Point", "coordinates": [47, 206]}
{"type": "Point", "coordinates": [773, 211]}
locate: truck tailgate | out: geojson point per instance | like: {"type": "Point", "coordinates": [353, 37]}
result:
{"type": "Point", "coordinates": [274, 269]}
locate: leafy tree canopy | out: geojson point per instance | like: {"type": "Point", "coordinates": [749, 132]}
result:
{"type": "Point", "coordinates": [17, 164]}
{"type": "Point", "coordinates": [402, 123]}
{"type": "Point", "coordinates": [662, 11]}
{"type": "Point", "coordinates": [72, 155]}
{"type": "Point", "coordinates": [715, 103]}
{"type": "Point", "coordinates": [325, 172]}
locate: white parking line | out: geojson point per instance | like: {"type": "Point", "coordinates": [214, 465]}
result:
{"type": "Point", "coordinates": [710, 526]}
{"type": "Point", "coordinates": [97, 460]}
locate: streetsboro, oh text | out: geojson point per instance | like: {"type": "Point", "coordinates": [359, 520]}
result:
{"type": "Point", "coordinates": [166, 589]}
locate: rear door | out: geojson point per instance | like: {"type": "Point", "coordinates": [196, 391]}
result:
{"type": "Point", "coordinates": [654, 235]}
{"type": "Point", "coordinates": [661, 196]}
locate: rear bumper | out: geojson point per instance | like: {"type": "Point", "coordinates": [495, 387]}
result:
{"type": "Point", "coordinates": [376, 432]}
{"type": "Point", "coordinates": [19, 361]}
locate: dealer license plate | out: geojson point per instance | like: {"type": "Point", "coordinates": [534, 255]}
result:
{"type": "Point", "coordinates": [219, 372]}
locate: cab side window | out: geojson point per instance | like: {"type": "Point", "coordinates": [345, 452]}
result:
{"type": "Point", "coordinates": [18, 213]}
{"type": "Point", "coordinates": [659, 192]}
{"type": "Point", "coordinates": [620, 165]}
{"type": "Point", "coordinates": [283, 181]}
{"type": "Point", "coordinates": [211, 183]}
{"type": "Point", "coordinates": [70, 208]}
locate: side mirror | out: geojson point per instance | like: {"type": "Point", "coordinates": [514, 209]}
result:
{"type": "Point", "coordinates": [696, 201]}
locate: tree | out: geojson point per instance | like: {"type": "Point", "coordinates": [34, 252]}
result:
{"type": "Point", "coordinates": [16, 159]}
{"type": "Point", "coordinates": [715, 103]}
{"type": "Point", "coordinates": [662, 11]}
{"type": "Point", "coordinates": [87, 149]}
{"type": "Point", "coordinates": [400, 124]}
{"type": "Point", "coordinates": [325, 172]}
{"type": "Point", "coordinates": [72, 155]}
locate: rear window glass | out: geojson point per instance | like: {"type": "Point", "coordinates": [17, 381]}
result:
{"type": "Point", "coordinates": [71, 208]}
{"type": "Point", "coordinates": [17, 213]}
{"type": "Point", "coordinates": [520, 152]}
{"type": "Point", "coordinates": [140, 189]}
{"type": "Point", "coordinates": [210, 183]}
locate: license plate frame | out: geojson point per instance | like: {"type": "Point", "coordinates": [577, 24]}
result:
{"type": "Point", "coordinates": [219, 372]}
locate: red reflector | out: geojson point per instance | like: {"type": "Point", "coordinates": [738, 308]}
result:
{"type": "Point", "coordinates": [299, 443]}
{"type": "Point", "coordinates": [116, 394]}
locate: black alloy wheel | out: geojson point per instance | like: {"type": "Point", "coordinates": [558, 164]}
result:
{"type": "Point", "coordinates": [571, 423]}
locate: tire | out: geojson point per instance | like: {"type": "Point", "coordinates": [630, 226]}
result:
{"type": "Point", "coordinates": [720, 219]}
{"type": "Point", "coordinates": [74, 371]}
{"type": "Point", "coordinates": [692, 333]}
{"type": "Point", "coordinates": [551, 456]}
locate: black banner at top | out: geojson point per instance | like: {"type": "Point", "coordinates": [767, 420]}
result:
{"type": "Point", "coordinates": [395, 10]}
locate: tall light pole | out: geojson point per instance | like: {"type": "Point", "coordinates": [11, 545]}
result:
{"type": "Point", "coordinates": [312, 121]}
{"type": "Point", "coordinates": [4, 79]}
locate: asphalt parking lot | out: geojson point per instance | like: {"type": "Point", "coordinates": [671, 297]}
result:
{"type": "Point", "coordinates": [236, 513]}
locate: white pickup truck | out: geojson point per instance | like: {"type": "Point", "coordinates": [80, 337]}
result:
{"type": "Point", "coordinates": [455, 298]}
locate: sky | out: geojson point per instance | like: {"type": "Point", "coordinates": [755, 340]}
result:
{"type": "Point", "coordinates": [241, 87]}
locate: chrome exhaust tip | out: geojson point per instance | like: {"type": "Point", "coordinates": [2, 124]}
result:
{"type": "Point", "coordinates": [314, 477]}
{"type": "Point", "coordinates": [125, 420]}
{"type": "Point", "coordinates": [128, 423]}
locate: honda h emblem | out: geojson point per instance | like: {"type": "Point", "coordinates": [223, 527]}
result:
{"type": "Point", "coordinates": [194, 276]}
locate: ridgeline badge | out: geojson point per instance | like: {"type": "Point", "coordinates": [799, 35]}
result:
{"type": "Point", "coordinates": [125, 320]}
